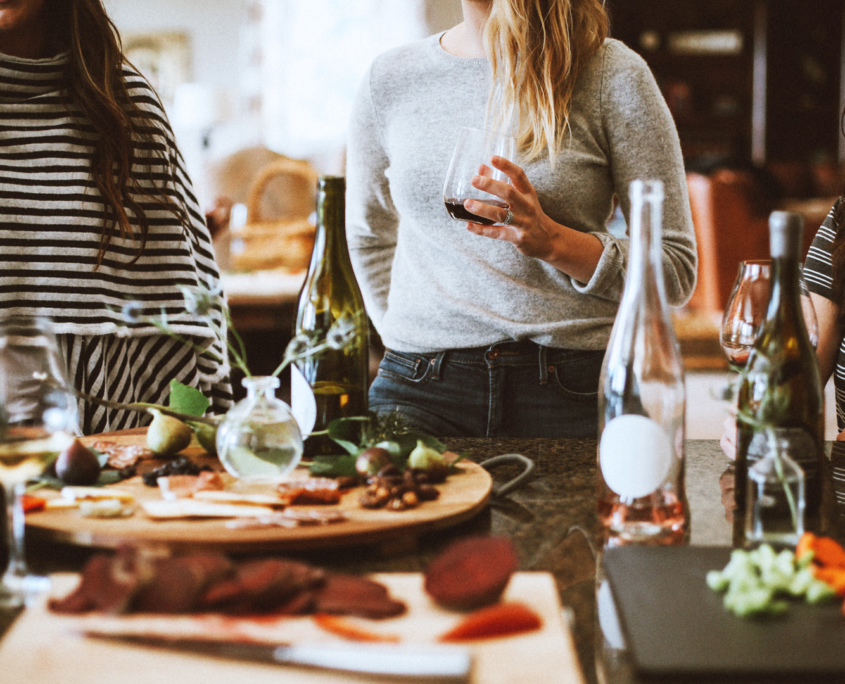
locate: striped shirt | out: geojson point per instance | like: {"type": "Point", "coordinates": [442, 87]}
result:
{"type": "Point", "coordinates": [818, 272]}
{"type": "Point", "coordinates": [51, 220]}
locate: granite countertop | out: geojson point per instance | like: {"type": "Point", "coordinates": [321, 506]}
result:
{"type": "Point", "coordinates": [551, 519]}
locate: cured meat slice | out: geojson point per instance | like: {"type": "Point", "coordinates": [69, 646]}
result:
{"type": "Point", "coordinates": [310, 491]}
{"type": "Point", "coordinates": [179, 582]}
{"type": "Point", "coordinates": [353, 595]}
{"type": "Point", "coordinates": [260, 586]}
{"type": "Point", "coordinates": [122, 455]}
{"type": "Point", "coordinates": [107, 585]}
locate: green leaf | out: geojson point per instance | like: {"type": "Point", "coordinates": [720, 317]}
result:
{"type": "Point", "coordinates": [44, 482]}
{"type": "Point", "coordinates": [102, 458]}
{"type": "Point", "coordinates": [187, 400]}
{"type": "Point", "coordinates": [333, 466]}
{"type": "Point", "coordinates": [347, 433]}
{"type": "Point", "coordinates": [108, 477]}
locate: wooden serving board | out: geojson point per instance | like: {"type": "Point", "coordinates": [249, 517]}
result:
{"type": "Point", "coordinates": [50, 649]}
{"type": "Point", "coordinates": [464, 494]}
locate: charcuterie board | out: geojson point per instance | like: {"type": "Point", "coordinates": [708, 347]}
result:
{"type": "Point", "coordinates": [47, 647]}
{"type": "Point", "coordinates": [463, 495]}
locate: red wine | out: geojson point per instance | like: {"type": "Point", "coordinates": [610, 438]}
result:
{"type": "Point", "coordinates": [456, 210]}
{"type": "Point", "coordinates": [737, 354]}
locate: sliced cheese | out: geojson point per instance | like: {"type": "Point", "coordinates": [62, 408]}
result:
{"type": "Point", "coordinates": [191, 508]}
{"type": "Point", "coordinates": [60, 503]}
{"type": "Point", "coordinates": [236, 498]}
{"type": "Point", "coordinates": [96, 494]}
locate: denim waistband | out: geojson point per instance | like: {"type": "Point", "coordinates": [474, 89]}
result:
{"type": "Point", "coordinates": [511, 352]}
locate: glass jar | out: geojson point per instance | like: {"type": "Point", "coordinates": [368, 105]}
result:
{"type": "Point", "coordinates": [775, 500]}
{"type": "Point", "coordinates": [259, 437]}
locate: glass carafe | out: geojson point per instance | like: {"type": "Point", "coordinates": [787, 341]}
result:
{"type": "Point", "coordinates": [259, 437]}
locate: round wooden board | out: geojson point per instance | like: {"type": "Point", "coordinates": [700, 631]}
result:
{"type": "Point", "coordinates": [464, 494]}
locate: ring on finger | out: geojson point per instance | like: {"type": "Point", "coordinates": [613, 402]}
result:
{"type": "Point", "coordinates": [508, 218]}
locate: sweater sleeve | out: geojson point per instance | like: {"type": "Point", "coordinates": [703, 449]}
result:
{"type": "Point", "coordinates": [371, 218]}
{"type": "Point", "coordinates": [643, 144]}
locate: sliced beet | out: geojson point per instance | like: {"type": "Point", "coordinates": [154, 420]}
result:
{"type": "Point", "coordinates": [471, 572]}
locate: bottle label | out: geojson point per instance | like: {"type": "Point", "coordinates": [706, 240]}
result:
{"type": "Point", "coordinates": [303, 403]}
{"type": "Point", "coordinates": [635, 455]}
{"type": "Point", "coordinates": [796, 443]}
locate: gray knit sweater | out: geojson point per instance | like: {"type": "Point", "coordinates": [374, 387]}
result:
{"type": "Point", "coordinates": [431, 285]}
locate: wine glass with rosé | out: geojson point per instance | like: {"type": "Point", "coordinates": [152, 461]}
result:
{"type": "Point", "coordinates": [471, 157]}
{"type": "Point", "coordinates": [37, 421]}
{"type": "Point", "coordinates": [746, 311]}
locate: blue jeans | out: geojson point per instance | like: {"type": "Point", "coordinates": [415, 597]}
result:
{"type": "Point", "coordinates": [510, 389]}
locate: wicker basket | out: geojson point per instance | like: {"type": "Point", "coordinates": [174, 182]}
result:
{"type": "Point", "coordinates": [282, 242]}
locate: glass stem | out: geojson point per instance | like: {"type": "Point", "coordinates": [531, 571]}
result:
{"type": "Point", "coordinates": [15, 525]}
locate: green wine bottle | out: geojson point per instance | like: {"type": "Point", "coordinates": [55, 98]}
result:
{"type": "Point", "coordinates": [332, 384]}
{"type": "Point", "coordinates": [780, 391]}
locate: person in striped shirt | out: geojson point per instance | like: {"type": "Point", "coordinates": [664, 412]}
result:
{"type": "Point", "coordinates": [824, 273]}
{"type": "Point", "coordinates": [96, 211]}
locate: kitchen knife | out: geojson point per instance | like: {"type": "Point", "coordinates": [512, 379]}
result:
{"type": "Point", "coordinates": [410, 663]}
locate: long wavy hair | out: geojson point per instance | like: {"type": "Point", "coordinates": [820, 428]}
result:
{"type": "Point", "coordinates": [537, 49]}
{"type": "Point", "coordinates": [95, 84]}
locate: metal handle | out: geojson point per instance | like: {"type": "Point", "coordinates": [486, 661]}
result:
{"type": "Point", "coordinates": [519, 480]}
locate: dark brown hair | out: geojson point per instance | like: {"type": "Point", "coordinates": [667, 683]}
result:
{"type": "Point", "coordinates": [96, 85]}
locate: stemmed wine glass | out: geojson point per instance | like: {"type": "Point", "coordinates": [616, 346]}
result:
{"type": "Point", "coordinates": [37, 419]}
{"type": "Point", "coordinates": [746, 310]}
{"type": "Point", "coordinates": [471, 157]}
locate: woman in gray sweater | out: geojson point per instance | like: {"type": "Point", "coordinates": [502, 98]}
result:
{"type": "Point", "coordinates": [501, 330]}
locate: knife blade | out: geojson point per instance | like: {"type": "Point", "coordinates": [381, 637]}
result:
{"type": "Point", "coordinates": [411, 663]}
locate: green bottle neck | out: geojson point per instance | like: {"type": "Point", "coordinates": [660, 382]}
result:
{"type": "Point", "coordinates": [330, 239]}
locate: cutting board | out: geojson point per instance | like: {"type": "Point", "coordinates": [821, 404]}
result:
{"type": "Point", "coordinates": [675, 625]}
{"type": "Point", "coordinates": [49, 649]}
{"type": "Point", "coordinates": [464, 494]}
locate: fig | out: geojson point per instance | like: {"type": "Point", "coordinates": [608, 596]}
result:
{"type": "Point", "coordinates": [78, 465]}
{"type": "Point", "coordinates": [206, 436]}
{"type": "Point", "coordinates": [167, 435]}
{"type": "Point", "coordinates": [429, 460]}
{"type": "Point", "coordinates": [372, 460]}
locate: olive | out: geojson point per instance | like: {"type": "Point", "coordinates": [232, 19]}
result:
{"type": "Point", "coordinates": [372, 460]}
{"type": "Point", "coordinates": [78, 465]}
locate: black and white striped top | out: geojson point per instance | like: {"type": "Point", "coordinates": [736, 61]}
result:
{"type": "Point", "coordinates": [818, 272]}
{"type": "Point", "coordinates": [51, 218]}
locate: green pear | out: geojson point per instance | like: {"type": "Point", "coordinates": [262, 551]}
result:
{"type": "Point", "coordinates": [167, 435]}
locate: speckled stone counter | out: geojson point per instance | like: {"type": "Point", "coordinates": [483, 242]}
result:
{"type": "Point", "coordinates": [551, 519]}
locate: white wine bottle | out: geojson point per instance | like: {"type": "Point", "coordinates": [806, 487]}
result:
{"type": "Point", "coordinates": [330, 298]}
{"type": "Point", "coordinates": [641, 496]}
{"type": "Point", "coordinates": [780, 392]}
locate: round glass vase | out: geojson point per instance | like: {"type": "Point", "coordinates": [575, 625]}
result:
{"type": "Point", "coordinates": [259, 438]}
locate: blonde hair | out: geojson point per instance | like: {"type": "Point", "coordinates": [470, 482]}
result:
{"type": "Point", "coordinates": [537, 49]}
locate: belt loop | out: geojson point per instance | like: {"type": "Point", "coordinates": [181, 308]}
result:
{"type": "Point", "coordinates": [436, 362]}
{"type": "Point", "coordinates": [544, 370]}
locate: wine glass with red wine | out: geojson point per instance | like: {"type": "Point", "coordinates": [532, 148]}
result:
{"type": "Point", "coordinates": [746, 310]}
{"type": "Point", "coordinates": [471, 157]}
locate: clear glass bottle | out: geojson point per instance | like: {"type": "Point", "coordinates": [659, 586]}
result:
{"type": "Point", "coordinates": [641, 496]}
{"type": "Point", "coordinates": [781, 390]}
{"type": "Point", "coordinates": [775, 498]}
{"type": "Point", "coordinates": [334, 383]}
{"type": "Point", "coordinates": [259, 437]}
